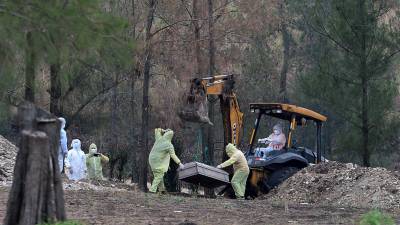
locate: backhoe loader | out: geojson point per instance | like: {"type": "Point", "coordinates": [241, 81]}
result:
{"type": "Point", "coordinates": [272, 169]}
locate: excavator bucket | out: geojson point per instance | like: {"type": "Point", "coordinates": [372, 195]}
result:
{"type": "Point", "coordinates": [195, 108]}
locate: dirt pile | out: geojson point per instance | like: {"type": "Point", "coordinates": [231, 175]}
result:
{"type": "Point", "coordinates": [87, 185]}
{"type": "Point", "coordinates": [8, 153]}
{"type": "Point", "coordinates": [341, 184]}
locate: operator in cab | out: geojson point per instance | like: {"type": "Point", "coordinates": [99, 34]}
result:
{"type": "Point", "coordinates": [275, 141]}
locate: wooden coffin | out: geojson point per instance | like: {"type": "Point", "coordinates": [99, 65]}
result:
{"type": "Point", "coordinates": [204, 175]}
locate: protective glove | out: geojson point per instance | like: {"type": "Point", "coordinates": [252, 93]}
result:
{"type": "Point", "coordinates": [219, 167]}
{"type": "Point", "coordinates": [181, 166]}
{"type": "Point", "coordinates": [166, 130]}
{"type": "Point", "coordinates": [159, 130]}
{"type": "Point", "coordinates": [275, 142]}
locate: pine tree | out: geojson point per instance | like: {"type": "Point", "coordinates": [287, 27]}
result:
{"type": "Point", "coordinates": [62, 34]}
{"type": "Point", "coordinates": [356, 44]}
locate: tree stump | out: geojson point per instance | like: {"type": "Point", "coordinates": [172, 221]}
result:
{"type": "Point", "coordinates": [36, 195]}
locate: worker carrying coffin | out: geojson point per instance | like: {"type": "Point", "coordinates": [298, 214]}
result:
{"type": "Point", "coordinates": [159, 157]}
{"type": "Point", "coordinates": [240, 167]}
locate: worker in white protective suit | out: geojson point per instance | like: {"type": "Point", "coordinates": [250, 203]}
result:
{"type": "Point", "coordinates": [275, 141]}
{"type": "Point", "coordinates": [62, 149]}
{"type": "Point", "coordinates": [76, 162]}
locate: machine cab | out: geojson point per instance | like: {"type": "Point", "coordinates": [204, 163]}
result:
{"type": "Point", "coordinates": [290, 117]}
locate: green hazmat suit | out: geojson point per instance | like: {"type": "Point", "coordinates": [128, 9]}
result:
{"type": "Point", "coordinates": [159, 157]}
{"type": "Point", "coordinates": [94, 163]}
{"type": "Point", "coordinates": [240, 167]}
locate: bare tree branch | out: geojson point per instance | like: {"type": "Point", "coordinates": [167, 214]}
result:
{"type": "Point", "coordinates": [91, 98]}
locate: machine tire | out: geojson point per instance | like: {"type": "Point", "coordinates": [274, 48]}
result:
{"type": "Point", "coordinates": [277, 177]}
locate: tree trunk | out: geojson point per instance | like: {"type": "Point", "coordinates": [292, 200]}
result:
{"type": "Point", "coordinates": [211, 48]}
{"type": "Point", "coordinates": [134, 76]}
{"type": "Point", "coordinates": [196, 32]}
{"type": "Point", "coordinates": [30, 61]}
{"type": "Point", "coordinates": [365, 127]}
{"type": "Point", "coordinates": [171, 177]}
{"type": "Point", "coordinates": [134, 168]}
{"type": "Point", "coordinates": [114, 153]}
{"type": "Point", "coordinates": [285, 64]}
{"type": "Point", "coordinates": [36, 195]}
{"type": "Point", "coordinates": [51, 126]}
{"type": "Point", "coordinates": [225, 111]}
{"type": "Point", "coordinates": [55, 89]}
{"type": "Point", "coordinates": [211, 71]}
{"type": "Point", "coordinates": [211, 68]}
{"type": "Point", "coordinates": [199, 72]}
{"type": "Point", "coordinates": [145, 105]}
{"type": "Point", "coordinates": [27, 207]}
{"type": "Point", "coordinates": [364, 83]}
{"type": "Point", "coordinates": [286, 56]}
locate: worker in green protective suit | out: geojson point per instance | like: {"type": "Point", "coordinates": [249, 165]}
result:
{"type": "Point", "coordinates": [94, 163]}
{"type": "Point", "coordinates": [159, 157]}
{"type": "Point", "coordinates": [240, 167]}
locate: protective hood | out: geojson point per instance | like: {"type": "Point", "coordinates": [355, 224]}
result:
{"type": "Point", "coordinates": [168, 135]}
{"type": "Point", "coordinates": [230, 149]}
{"type": "Point", "coordinates": [162, 150]}
{"type": "Point", "coordinates": [92, 149]}
{"type": "Point", "coordinates": [76, 161]}
{"type": "Point", "coordinates": [164, 143]}
{"type": "Point", "coordinates": [278, 127]}
{"type": "Point", "coordinates": [76, 144]}
{"type": "Point", "coordinates": [63, 122]}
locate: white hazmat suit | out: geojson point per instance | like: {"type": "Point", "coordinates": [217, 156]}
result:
{"type": "Point", "coordinates": [62, 149]}
{"type": "Point", "coordinates": [276, 141]}
{"type": "Point", "coordinates": [76, 162]}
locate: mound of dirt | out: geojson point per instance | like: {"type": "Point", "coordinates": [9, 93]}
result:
{"type": "Point", "coordinates": [97, 185]}
{"type": "Point", "coordinates": [8, 153]}
{"type": "Point", "coordinates": [340, 184]}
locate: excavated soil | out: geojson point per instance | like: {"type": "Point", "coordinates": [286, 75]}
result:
{"type": "Point", "coordinates": [338, 184]}
{"type": "Point", "coordinates": [118, 206]}
{"type": "Point", "coordinates": [8, 153]}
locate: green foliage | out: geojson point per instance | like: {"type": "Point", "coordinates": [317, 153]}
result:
{"type": "Point", "coordinates": [68, 222]}
{"type": "Point", "coordinates": [70, 34]}
{"type": "Point", "coordinates": [259, 61]}
{"type": "Point", "coordinates": [352, 56]}
{"type": "Point", "coordinates": [376, 217]}
{"type": "Point", "coordinates": [260, 80]}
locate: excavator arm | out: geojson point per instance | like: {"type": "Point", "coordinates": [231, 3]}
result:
{"type": "Point", "coordinates": [196, 109]}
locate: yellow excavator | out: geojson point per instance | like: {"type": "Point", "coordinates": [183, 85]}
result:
{"type": "Point", "coordinates": [270, 170]}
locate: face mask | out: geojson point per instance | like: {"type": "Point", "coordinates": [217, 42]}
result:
{"type": "Point", "coordinates": [93, 151]}
{"type": "Point", "coordinates": [277, 132]}
{"type": "Point", "coordinates": [75, 145]}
